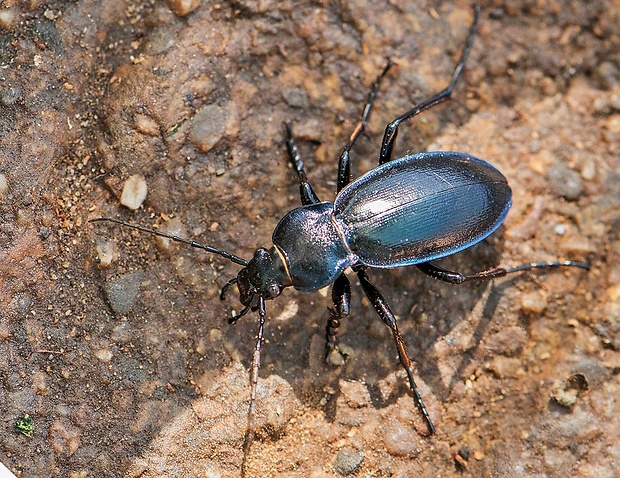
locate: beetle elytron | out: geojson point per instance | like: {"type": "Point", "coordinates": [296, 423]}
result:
{"type": "Point", "coordinates": [407, 211]}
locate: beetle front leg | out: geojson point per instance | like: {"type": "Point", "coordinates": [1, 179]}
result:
{"type": "Point", "coordinates": [383, 310]}
{"type": "Point", "coordinates": [341, 298]}
{"type": "Point", "coordinates": [307, 194]}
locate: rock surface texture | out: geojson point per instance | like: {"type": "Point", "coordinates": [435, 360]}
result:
{"type": "Point", "coordinates": [116, 344]}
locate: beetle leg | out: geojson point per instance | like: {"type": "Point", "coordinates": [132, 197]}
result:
{"type": "Point", "coordinates": [308, 196]}
{"type": "Point", "coordinates": [235, 318]}
{"type": "Point", "coordinates": [452, 277]}
{"type": "Point", "coordinates": [383, 310]}
{"type": "Point", "coordinates": [227, 286]}
{"type": "Point", "coordinates": [344, 169]}
{"type": "Point", "coordinates": [249, 432]}
{"type": "Point", "coordinates": [341, 298]}
{"type": "Point", "coordinates": [391, 131]}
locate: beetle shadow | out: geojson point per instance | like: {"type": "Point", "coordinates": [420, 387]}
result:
{"type": "Point", "coordinates": [430, 370]}
{"type": "Point", "coordinates": [427, 310]}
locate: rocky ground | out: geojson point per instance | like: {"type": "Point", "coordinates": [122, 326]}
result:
{"type": "Point", "coordinates": [116, 344]}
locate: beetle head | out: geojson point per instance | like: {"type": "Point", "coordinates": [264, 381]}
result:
{"type": "Point", "coordinates": [264, 276]}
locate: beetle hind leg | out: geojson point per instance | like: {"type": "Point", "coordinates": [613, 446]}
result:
{"type": "Point", "coordinates": [383, 310]}
{"type": "Point", "coordinates": [453, 277]}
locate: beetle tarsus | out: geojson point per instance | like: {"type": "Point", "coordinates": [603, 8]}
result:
{"type": "Point", "coordinates": [391, 131]}
{"type": "Point", "coordinates": [236, 317]}
{"type": "Point", "coordinates": [453, 277]}
{"type": "Point", "coordinates": [548, 265]}
{"type": "Point", "coordinates": [331, 336]}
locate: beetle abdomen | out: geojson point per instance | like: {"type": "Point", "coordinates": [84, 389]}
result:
{"type": "Point", "coordinates": [421, 207]}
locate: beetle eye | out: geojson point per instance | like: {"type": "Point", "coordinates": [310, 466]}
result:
{"type": "Point", "coordinates": [273, 291]}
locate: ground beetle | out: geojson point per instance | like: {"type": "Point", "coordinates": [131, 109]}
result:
{"type": "Point", "coordinates": [407, 211]}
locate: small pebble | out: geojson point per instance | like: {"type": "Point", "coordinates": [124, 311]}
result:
{"type": "Point", "coordinates": [23, 217]}
{"type": "Point", "coordinates": [296, 97]}
{"type": "Point", "coordinates": [557, 459]}
{"type": "Point", "coordinates": [134, 192]}
{"type": "Point", "coordinates": [565, 397]}
{"type": "Point", "coordinates": [122, 292]}
{"type": "Point", "coordinates": [588, 170]}
{"type": "Point", "coordinates": [4, 185]}
{"type": "Point", "coordinates": [5, 332]}
{"type": "Point", "coordinates": [608, 74]}
{"type": "Point", "coordinates": [174, 227]}
{"type": "Point", "coordinates": [63, 437]}
{"type": "Point", "coordinates": [348, 460]}
{"type": "Point", "coordinates": [530, 225]}
{"type": "Point", "coordinates": [183, 7]}
{"type": "Point", "coordinates": [288, 312]}
{"type": "Point", "coordinates": [10, 96]}
{"type": "Point", "coordinates": [9, 17]}
{"type": "Point", "coordinates": [400, 439]}
{"type": "Point", "coordinates": [106, 252]}
{"type": "Point", "coordinates": [509, 341]}
{"type": "Point", "coordinates": [355, 393]}
{"type": "Point", "coordinates": [104, 355]}
{"type": "Point", "coordinates": [338, 356]}
{"type": "Point", "coordinates": [533, 302]}
{"type": "Point", "coordinates": [39, 383]}
{"type": "Point", "coordinates": [24, 302]}
{"type": "Point", "coordinates": [147, 125]}
{"type": "Point", "coordinates": [505, 367]}
{"type": "Point", "coordinates": [208, 127]}
{"type": "Point", "coordinates": [565, 182]}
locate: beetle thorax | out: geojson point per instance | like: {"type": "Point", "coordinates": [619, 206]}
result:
{"type": "Point", "coordinates": [264, 276]}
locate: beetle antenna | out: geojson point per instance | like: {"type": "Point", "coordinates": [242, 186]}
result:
{"type": "Point", "coordinates": [249, 432]}
{"type": "Point", "coordinates": [213, 250]}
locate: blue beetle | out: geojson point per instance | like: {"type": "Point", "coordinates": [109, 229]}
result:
{"type": "Point", "coordinates": [408, 211]}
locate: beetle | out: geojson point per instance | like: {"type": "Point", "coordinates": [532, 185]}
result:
{"type": "Point", "coordinates": [408, 211]}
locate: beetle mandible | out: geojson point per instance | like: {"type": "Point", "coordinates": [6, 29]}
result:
{"type": "Point", "coordinates": [407, 211]}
